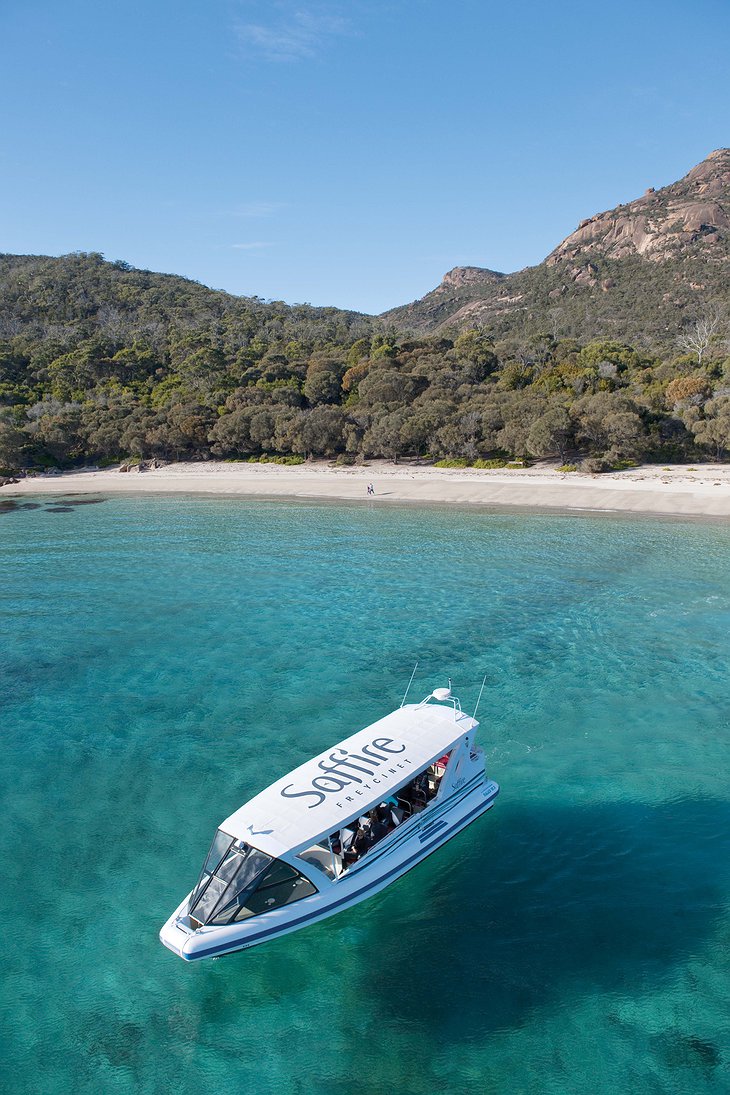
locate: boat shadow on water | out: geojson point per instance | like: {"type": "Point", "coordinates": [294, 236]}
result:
{"type": "Point", "coordinates": [540, 903]}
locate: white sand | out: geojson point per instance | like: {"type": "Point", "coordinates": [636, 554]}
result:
{"type": "Point", "coordinates": [678, 490]}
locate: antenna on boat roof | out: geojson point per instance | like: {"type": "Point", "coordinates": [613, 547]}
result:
{"type": "Point", "coordinates": [479, 696]}
{"type": "Point", "coordinates": [415, 667]}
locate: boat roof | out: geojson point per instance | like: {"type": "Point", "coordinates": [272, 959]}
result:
{"type": "Point", "coordinates": [346, 780]}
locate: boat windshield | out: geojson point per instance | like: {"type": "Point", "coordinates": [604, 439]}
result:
{"type": "Point", "coordinates": [238, 881]}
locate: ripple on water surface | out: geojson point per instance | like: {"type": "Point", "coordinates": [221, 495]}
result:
{"type": "Point", "coordinates": [164, 659]}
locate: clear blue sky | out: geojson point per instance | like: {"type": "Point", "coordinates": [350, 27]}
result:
{"type": "Point", "coordinates": [345, 154]}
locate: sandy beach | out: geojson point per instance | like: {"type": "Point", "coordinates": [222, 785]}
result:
{"type": "Point", "coordinates": [677, 490]}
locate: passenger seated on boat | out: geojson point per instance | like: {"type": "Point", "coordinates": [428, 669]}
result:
{"type": "Point", "coordinates": [369, 829]}
{"type": "Point", "coordinates": [420, 783]}
{"type": "Point", "coordinates": [413, 797]}
{"type": "Point", "coordinates": [363, 840]}
{"type": "Point", "coordinates": [347, 840]}
{"type": "Point", "coordinates": [435, 773]}
{"type": "Point", "coordinates": [390, 804]}
{"type": "Point", "coordinates": [439, 766]}
{"type": "Point", "coordinates": [380, 827]}
{"type": "Point", "coordinates": [350, 857]}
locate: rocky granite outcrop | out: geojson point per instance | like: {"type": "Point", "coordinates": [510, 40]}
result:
{"type": "Point", "coordinates": [462, 276]}
{"type": "Point", "coordinates": [663, 223]}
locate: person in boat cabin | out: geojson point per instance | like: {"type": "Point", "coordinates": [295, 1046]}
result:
{"type": "Point", "coordinates": [363, 840]}
{"type": "Point", "coordinates": [383, 819]}
{"type": "Point", "coordinates": [380, 825]}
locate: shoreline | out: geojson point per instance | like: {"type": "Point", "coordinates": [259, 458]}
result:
{"type": "Point", "coordinates": [676, 490]}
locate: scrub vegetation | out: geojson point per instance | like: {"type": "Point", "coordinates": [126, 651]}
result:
{"type": "Point", "coordinates": [101, 362]}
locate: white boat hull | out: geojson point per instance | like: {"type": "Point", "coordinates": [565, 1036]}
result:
{"type": "Point", "coordinates": [403, 849]}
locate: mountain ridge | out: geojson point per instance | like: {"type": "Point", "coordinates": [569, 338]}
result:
{"type": "Point", "coordinates": [639, 273]}
{"type": "Point", "coordinates": [633, 271]}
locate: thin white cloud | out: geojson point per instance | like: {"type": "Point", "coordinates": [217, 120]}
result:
{"type": "Point", "coordinates": [257, 246]}
{"type": "Point", "coordinates": [298, 34]}
{"type": "Point", "coordinates": [258, 209]}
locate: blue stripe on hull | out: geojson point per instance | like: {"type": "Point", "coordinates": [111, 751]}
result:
{"type": "Point", "coordinates": [249, 941]}
{"type": "Point", "coordinates": [429, 832]}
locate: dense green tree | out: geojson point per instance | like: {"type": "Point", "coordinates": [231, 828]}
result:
{"type": "Point", "coordinates": [423, 426]}
{"type": "Point", "coordinates": [323, 383]}
{"type": "Point", "coordinates": [476, 348]}
{"type": "Point", "coordinates": [386, 386]}
{"type": "Point", "coordinates": [319, 432]}
{"type": "Point", "coordinates": [14, 442]}
{"type": "Point", "coordinates": [552, 434]}
{"type": "Point", "coordinates": [611, 425]}
{"type": "Point", "coordinates": [231, 434]}
{"type": "Point", "coordinates": [54, 429]}
{"type": "Point", "coordinates": [518, 411]}
{"type": "Point", "coordinates": [385, 436]}
{"type": "Point", "coordinates": [712, 429]}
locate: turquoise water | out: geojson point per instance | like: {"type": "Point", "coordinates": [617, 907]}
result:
{"type": "Point", "coordinates": [162, 660]}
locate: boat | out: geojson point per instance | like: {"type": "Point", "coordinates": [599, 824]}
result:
{"type": "Point", "coordinates": [336, 830]}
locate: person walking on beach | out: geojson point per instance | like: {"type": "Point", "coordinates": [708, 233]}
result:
{"type": "Point", "coordinates": [371, 488]}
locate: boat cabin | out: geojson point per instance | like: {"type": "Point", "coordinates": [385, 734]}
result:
{"type": "Point", "coordinates": [336, 813]}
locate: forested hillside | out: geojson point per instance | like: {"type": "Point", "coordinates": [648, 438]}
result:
{"type": "Point", "coordinates": [100, 362]}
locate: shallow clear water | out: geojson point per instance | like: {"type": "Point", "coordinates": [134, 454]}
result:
{"type": "Point", "coordinates": [162, 660]}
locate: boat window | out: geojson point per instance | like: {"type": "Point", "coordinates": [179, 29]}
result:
{"type": "Point", "coordinates": [423, 788]}
{"type": "Point", "coordinates": [219, 847]}
{"type": "Point", "coordinates": [224, 883]}
{"type": "Point", "coordinates": [280, 885]}
{"type": "Point", "coordinates": [359, 836]}
{"type": "Point", "coordinates": [356, 839]}
{"type": "Point", "coordinates": [278, 872]}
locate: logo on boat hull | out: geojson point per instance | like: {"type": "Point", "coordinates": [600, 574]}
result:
{"type": "Point", "coordinates": [339, 771]}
